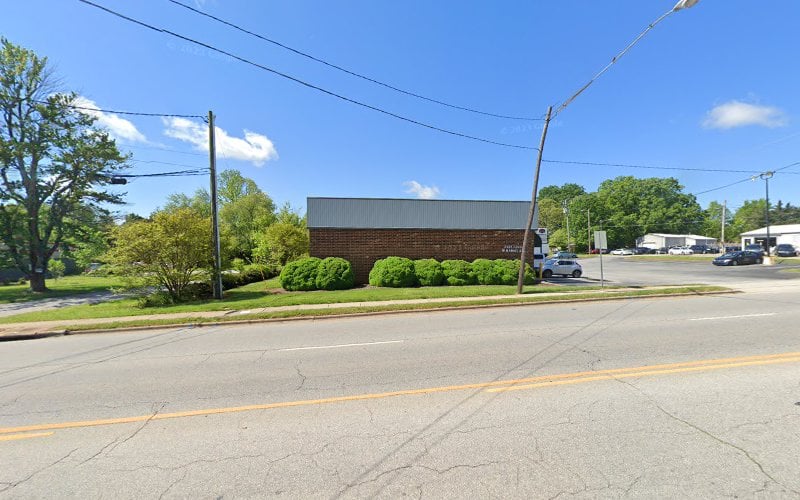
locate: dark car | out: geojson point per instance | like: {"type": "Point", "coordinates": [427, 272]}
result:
{"type": "Point", "coordinates": [755, 247]}
{"type": "Point", "coordinates": [785, 250]}
{"type": "Point", "coordinates": [738, 258]}
{"type": "Point", "coordinates": [641, 250]}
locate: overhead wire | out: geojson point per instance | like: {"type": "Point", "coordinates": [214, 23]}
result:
{"type": "Point", "coordinates": [347, 71]}
{"type": "Point", "coordinates": [302, 82]}
{"type": "Point", "coordinates": [118, 112]}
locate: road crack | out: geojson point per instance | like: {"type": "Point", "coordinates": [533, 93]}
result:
{"type": "Point", "coordinates": [708, 434]}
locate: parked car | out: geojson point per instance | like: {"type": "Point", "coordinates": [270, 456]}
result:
{"type": "Point", "coordinates": [704, 249]}
{"type": "Point", "coordinates": [738, 258]}
{"type": "Point", "coordinates": [684, 250]}
{"type": "Point", "coordinates": [565, 255]}
{"type": "Point", "coordinates": [622, 251]}
{"type": "Point", "coordinates": [756, 247]}
{"type": "Point", "coordinates": [563, 267]}
{"type": "Point", "coordinates": [641, 250]}
{"type": "Point", "coordinates": [596, 251]}
{"type": "Point", "coordinates": [661, 251]}
{"type": "Point", "coordinates": [785, 250]}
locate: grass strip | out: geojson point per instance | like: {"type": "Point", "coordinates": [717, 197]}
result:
{"type": "Point", "coordinates": [678, 291]}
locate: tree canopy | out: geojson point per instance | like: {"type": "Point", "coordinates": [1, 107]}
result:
{"type": "Point", "coordinates": [53, 162]}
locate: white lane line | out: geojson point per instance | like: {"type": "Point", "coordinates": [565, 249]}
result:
{"type": "Point", "coordinates": [340, 345]}
{"type": "Point", "coordinates": [733, 317]}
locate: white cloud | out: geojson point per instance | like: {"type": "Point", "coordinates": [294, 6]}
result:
{"type": "Point", "coordinates": [118, 128]}
{"type": "Point", "coordinates": [739, 114]}
{"type": "Point", "coordinates": [420, 191]}
{"type": "Point", "coordinates": [254, 148]}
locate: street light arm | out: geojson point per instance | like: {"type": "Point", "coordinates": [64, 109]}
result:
{"type": "Point", "coordinates": [682, 4]}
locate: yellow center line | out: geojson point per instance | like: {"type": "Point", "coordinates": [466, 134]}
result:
{"type": "Point", "coordinates": [14, 437]}
{"type": "Point", "coordinates": [646, 373]}
{"type": "Point", "coordinates": [493, 386]}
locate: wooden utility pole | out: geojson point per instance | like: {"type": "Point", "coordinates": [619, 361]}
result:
{"type": "Point", "coordinates": [589, 230]}
{"type": "Point", "coordinates": [524, 253]}
{"type": "Point", "coordinates": [722, 234]}
{"type": "Point", "coordinates": [216, 283]}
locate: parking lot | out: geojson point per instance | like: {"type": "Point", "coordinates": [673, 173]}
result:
{"type": "Point", "coordinates": [639, 271]}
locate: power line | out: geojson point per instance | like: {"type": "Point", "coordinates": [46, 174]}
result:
{"type": "Point", "coordinates": [748, 179]}
{"type": "Point", "coordinates": [178, 173]}
{"type": "Point", "coordinates": [304, 83]}
{"type": "Point", "coordinates": [350, 72]}
{"type": "Point", "coordinates": [688, 169]}
{"type": "Point", "coordinates": [163, 163]}
{"type": "Point", "coordinates": [117, 112]}
{"type": "Point", "coordinates": [190, 153]}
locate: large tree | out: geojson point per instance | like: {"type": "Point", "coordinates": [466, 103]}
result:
{"type": "Point", "coordinates": [53, 162]}
{"type": "Point", "coordinates": [635, 207]}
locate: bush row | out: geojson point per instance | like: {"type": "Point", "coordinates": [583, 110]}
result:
{"type": "Point", "coordinates": [312, 273]}
{"type": "Point", "coordinates": [402, 272]}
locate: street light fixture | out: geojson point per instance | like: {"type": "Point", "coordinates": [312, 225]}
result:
{"type": "Point", "coordinates": [766, 176]}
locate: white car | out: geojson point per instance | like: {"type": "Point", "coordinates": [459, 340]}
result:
{"type": "Point", "coordinates": [684, 250]}
{"type": "Point", "coordinates": [622, 251]}
{"type": "Point", "coordinates": [563, 267]}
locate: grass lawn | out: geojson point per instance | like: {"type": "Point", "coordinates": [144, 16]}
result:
{"type": "Point", "coordinates": [268, 293]}
{"type": "Point", "coordinates": [63, 287]}
{"type": "Point", "coordinates": [579, 294]}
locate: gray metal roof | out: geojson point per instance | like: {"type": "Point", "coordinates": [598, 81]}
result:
{"type": "Point", "coordinates": [388, 213]}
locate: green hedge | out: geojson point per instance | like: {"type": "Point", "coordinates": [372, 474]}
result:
{"type": "Point", "coordinates": [487, 272]}
{"type": "Point", "coordinates": [300, 275]}
{"type": "Point", "coordinates": [395, 272]}
{"type": "Point", "coordinates": [458, 273]}
{"type": "Point", "coordinates": [429, 272]}
{"type": "Point", "coordinates": [249, 274]}
{"type": "Point", "coordinates": [334, 273]}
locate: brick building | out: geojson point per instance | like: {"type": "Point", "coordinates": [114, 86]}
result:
{"type": "Point", "coordinates": [363, 230]}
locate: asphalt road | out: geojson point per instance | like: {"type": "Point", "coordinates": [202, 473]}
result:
{"type": "Point", "coordinates": [642, 272]}
{"type": "Point", "coordinates": [682, 397]}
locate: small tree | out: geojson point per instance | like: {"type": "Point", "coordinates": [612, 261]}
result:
{"type": "Point", "coordinates": [170, 251]}
{"type": "Point", "coordinates": [57, 268]}
{"type": "Point", "coordinates": [282, 242]}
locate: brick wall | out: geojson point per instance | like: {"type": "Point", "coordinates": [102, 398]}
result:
{"type": "Point", "coordinates": [362, 247]}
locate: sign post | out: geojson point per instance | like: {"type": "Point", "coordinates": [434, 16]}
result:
{"type": "Point", "coordinates": [600, 243]}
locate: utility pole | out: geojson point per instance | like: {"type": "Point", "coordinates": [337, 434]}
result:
{"type": "Point", "coordinates": [565, 204]}
{"type": "Point", "coordinates": [589, 230]}
{"type": "Point", "coordinates": [216, 283]}
{"type": "Point", "coordinates": [722, 235]}
{"type": "Point", "coordinates": [524, 253]}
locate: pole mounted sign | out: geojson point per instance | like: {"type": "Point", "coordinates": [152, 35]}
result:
{"type": "Point", "coordinates": [600, 243]}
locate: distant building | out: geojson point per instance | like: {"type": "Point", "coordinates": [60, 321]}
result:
{"type": "Point", "coordinates": [782, 233]}
{"type": "Point", "coordinates": [363, 230]}
{"type": "Point", "coordinates": [662, 240]}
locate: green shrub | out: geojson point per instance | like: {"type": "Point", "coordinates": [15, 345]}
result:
{"type": "Point", "coordinates": [395, 272]}
{"type": "Point", "coordinates": [56, 268]}
{"type": "Point", "coordinates": [335, 273]}
{"type": "Point", "coordinates": [157, 299]}
{"type": "Point", "coordinates": [300, 275]}
{"type": "Point", "coordinates": [508, 272]}
{"type": "Point", "coordinates": [429, 272]}
{"type": "Point", "coordinates": [486, 272]}
{"type": "Point", "coordinates": [200, 290]}
{"type": "Point", "coordinates": [458, 272]}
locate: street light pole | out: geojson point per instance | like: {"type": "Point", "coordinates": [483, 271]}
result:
{"type": "Point", "coordinates": [565, 205]}
{"type": "Point", "coordinates": [766, 176]}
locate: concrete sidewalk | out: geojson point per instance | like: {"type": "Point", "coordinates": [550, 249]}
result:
{"type": "Point", "coordinates": [46, 328]}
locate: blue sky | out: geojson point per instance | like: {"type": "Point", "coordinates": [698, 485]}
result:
{"type": "Point", "coordinates": [714, 86]}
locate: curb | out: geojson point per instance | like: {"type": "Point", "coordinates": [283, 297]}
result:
{"type": "Point", "coordinates": [467, 306]}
